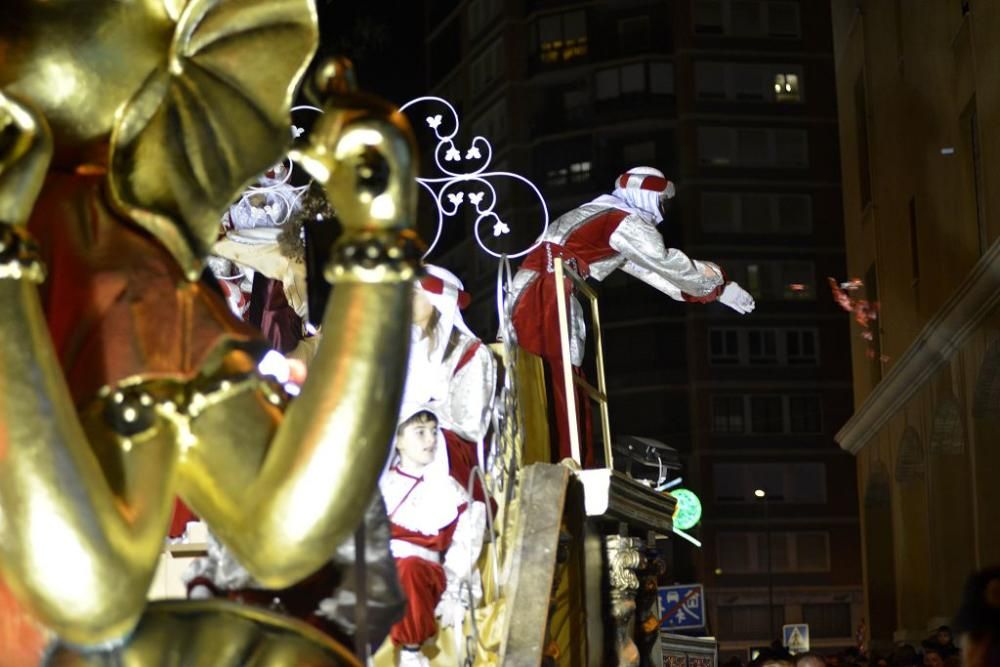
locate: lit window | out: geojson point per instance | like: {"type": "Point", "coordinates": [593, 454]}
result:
{"type": "Point", "coordinates": [798, 279]}
{"type": "Point", "coordinates": [579, 172]}
{"type": "Point", "coordinates": [562, 37]}
{"type": "Point", "coordinates": [575, 172]}
{"type": "Point", "coordinates": [786, 87]}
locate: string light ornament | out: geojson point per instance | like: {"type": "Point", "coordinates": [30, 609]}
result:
{"type": "Point", "coordinates": [466, 178]}
{"type": "Point", "coordinates": [864, 312]}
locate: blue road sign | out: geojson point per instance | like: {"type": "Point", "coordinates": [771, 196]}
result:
{"type": "Point", "coordinates": [795, 637]}
{"type": "Point", "coordinates": [682, 607]}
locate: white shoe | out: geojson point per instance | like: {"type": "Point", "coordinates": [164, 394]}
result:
{"type": "Point", "coordinates": [408, 658]}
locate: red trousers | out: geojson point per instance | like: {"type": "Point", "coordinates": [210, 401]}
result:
{"type": "Point", "coordinates": [423, 582]}
{"type": "Point", "coordinates": [536, 321]}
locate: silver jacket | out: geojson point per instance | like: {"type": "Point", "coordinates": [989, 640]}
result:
{"type": "Point", "coordinates": [638, 251]}
{"type": "Point", "coordinates": [471, 389]}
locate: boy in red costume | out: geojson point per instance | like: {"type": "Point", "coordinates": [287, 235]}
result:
{"type": "Point", "coordinates": [437, 532]}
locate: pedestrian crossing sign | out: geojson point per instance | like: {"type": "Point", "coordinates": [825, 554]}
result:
{"type": "Point", "coordinates": [795, 638]}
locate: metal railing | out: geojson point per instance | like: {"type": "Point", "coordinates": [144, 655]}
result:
{"type": "Point", "coordinates": [571, 380]}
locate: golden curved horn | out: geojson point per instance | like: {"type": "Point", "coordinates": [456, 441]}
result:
{"type": "Point", "coordinates": [331, 446]}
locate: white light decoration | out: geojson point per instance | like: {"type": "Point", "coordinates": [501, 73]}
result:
{"type": "Point", "coordinates": [465, 179]}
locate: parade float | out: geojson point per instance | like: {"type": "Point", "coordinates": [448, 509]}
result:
{"type": "Point", "coordinates": [140, 383]}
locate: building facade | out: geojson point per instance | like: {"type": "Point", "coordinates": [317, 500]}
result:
{"type": "Point", "coordinates": [916, 83]}
{"type": "Point", "coordinates": [734, 100]}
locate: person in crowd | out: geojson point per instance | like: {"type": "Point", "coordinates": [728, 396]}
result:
{"type": "Point", "coordinates": [933, 657]}
{"type": "Point", "coordinates": [978, 620]}
{"type": "Point", "coordinates": [809, 660]}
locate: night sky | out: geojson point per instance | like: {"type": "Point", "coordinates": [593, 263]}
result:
{"type": "Point", "coordinates": [384, 38]}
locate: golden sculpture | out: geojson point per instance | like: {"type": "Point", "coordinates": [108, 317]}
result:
{"type": "Point", "coordinates": [126, 126]}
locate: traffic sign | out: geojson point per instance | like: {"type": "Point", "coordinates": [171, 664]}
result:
{"type": "Point", "coordinates": [795, 638]}
{"type": "Point", "coordinates": [682, 607]}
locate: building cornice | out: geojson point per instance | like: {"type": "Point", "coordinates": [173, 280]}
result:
{"type": "Point", "coordinates": [939, 340]}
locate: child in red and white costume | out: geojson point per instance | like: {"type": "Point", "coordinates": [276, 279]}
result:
{"type": "Point", "coordinates": [451, 371]}
{"type": "Point", "coordinates": [437, 533]}
{"type": "Point", "coordinates": [614, 231]}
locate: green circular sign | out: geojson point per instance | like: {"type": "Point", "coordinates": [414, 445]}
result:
{"type": "Point", "coordinates": [688, 512]}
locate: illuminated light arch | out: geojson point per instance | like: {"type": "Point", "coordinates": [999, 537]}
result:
{"type": "Point", "coordinates": [470, 186]}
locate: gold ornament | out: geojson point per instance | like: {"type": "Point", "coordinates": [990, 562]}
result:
{"type": "Point", "coordinates": [159, 112]}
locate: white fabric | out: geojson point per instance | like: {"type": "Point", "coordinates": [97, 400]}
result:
{"type": "Point", "coordinates": [633, 199]}
{"type": "Point", "coordinates": [409, 658]}
{"type": "Point", "coordinates": [427, 377]}
{"type": "Point", "coordinates": [425, 505]}
{"type": "Point", "coordinates": [447, 302]}
{"type": "Point", "coordinates": [460, 566]}
{"type": "Point", "coordinates": [404, 549]}
{"type": "Point", "coordinates": [462, 399]}
{"type": "Point", "coordinates": [642, 203]}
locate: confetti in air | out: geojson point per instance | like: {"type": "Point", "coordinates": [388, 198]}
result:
{"type": "Point", "coordinates": [865, 312]}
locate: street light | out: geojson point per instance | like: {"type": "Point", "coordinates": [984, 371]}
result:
{"type": "Point", "coordinates": [761, 494]}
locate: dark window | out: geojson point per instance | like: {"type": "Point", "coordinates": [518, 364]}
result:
{"type": "Point", "coordinates": [633, 34]}
{"type": "Point", "coordinates": [828, 620]}
{"type": "Point", "coordinates": [783, 19]}
{"type": "Point", "coordinates": [748, 621]}
{"type": "Point", "coordinates": [766, 414]}
{"type": "Point", "coordinates": [724, 347]}
{"type": "Point", "coordinates": [708, 16]}
{"type": "Point", "coordinates": [727, 414]}
{"type": "Point", "coordinates": [861, 119]}
{"type": "Point", "coordinates": [800, 347]}
{"type": "Point", "coordinates": [805, 414]}
{"type": "Point", "coordinates": [762, 346]}
{"type": "Point", "coordinates": [795, 213]}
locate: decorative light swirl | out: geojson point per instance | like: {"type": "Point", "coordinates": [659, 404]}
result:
{"type": "Point", "coordinates": [467, 181]}
{"type": "Point", "coordinates": [289, 195]}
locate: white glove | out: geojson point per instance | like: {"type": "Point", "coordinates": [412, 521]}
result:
{"type": "Point", "coordinates": [737, 298]}
{"type": "Point", "coordinates": [451, 609]}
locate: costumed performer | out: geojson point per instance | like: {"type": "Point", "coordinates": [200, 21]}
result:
{"type": "Point", "coordinates": [451, 370]}
{"type": "Point", "coordinates": [614, 231]}
{"type": "Point", "coordinates": [437, 533]}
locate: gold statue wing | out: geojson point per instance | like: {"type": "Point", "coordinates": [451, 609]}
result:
{"type": "Point", "coordinates": [210, 118]}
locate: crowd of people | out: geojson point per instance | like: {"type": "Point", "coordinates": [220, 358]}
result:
{"type": "Point", "coordinates": [976, 625]}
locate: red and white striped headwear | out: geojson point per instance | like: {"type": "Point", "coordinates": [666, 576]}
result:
{"type": "Point", "coordinates": [446, 293]}
{"type": "Point", "coordinates": [638, 191]}
{"type": "Point", "coordinates": [645, 178]}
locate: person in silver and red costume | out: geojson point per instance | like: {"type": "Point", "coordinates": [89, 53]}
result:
{"type": "Point", "coordinates": [614, 231]}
